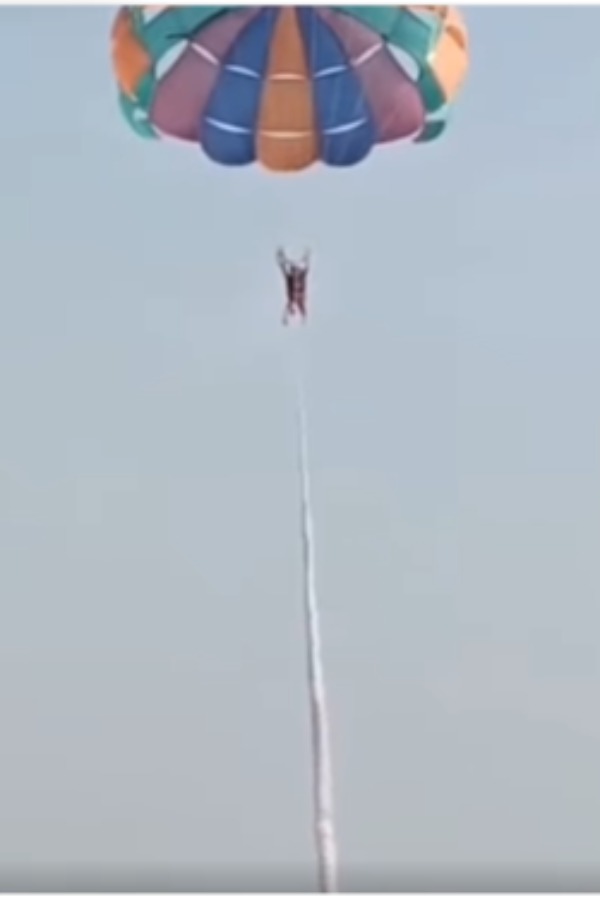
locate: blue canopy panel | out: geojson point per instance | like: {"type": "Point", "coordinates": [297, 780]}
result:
{"type": "Point", "coordinates": [346, 126]}
{"type": "Point", "coordinates": [228, 126]}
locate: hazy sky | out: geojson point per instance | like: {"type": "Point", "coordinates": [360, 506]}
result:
{"type": "Point", "coordinates": [151, 658]}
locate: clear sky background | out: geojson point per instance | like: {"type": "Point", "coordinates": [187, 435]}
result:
{"type": "Point", "coordinates": [151, 660]}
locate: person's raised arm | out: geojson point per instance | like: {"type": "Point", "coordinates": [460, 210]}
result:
{"type": "Point", "coordinates": [282, 261]}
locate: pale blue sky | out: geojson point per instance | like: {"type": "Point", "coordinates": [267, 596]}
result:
{"type": "Point", "coordinates": [151, 667]}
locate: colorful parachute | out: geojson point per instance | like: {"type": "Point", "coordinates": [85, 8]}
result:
{"type": "Point", "coordinates": [288, 86]}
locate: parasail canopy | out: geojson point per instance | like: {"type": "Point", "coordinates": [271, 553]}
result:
{"type": "Point", "coordinates": [287, 86]}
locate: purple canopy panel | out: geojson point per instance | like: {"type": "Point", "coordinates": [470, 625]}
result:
{"type": "Point", "coordinates": [395, 101]}
{"type": "Point", "coordinates": [183, 93]}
